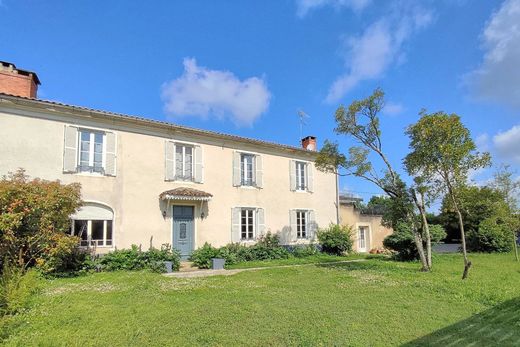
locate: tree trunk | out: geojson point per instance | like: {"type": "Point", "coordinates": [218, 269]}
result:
{"type": "Point", "coordinates": [467, 263]}
{"type": "Point", "coordinates": [515, 245]}
{"type": "Point", "coordinates": [419, 244]}
{"type": "Point", "coordinates": [426, 227]}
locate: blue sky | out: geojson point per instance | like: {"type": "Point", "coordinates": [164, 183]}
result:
{"type": "Point", "coordinates": [247, 67]}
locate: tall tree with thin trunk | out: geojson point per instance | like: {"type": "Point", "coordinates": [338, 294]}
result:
{"type": "Point", "coordinates": [442, 154]}
{"type": "Point", "coordinates": [360, 121]}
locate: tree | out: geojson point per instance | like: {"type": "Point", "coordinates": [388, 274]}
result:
{"type": "Point", "coordinates": [504, 182]}
{"type": "Point", "coordinates": [442, 154]}
{"type": "Point", "coordinates": [34, 218]}
{"type": "Point", "coordinates": [360, 121]}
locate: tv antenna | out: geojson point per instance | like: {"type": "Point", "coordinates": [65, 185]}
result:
{"type": "Point", "coordinates": [303, 116]}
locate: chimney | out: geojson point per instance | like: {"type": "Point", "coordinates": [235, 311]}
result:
{"type": "Point", "coordinates": [18, 82]}
{"type": "Point", "coordinates": [309, 143]}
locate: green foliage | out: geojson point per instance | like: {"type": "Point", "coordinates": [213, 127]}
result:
{"type": "Point", "coordinates": [304, 251]}
{"type": "Point", "coordinates": [336, 239]}
{"type": "Point", "coordinates": [16, 288]}
{"type": "Point", "coordinates": [402, 242]}
{"type": "Point", "coordinates": [201, 257]}
{"type": "Point", "coordinates": [32, 214]}
{"type": "Point", "coordinates": [62, 256]}
{"type": "Point", "coordinates": [493, 235]}
{"type": "Point", "coordinates": [135, 259]}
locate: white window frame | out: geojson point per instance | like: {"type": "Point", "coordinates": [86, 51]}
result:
{"type": "Point", "coordinates": [92, 135]}
{"type": "Point", "coordinates": [254, 215]}
{"type": "Point", "coordinates": [89, 241]}
{"type": "Point", "coordinates": [301, 166]}
{"type": "Point", "coordinates": [366, 239]}
{"type": "Point", "coordinates": [300, 226]}
{"type": "Point", "coordinates": [184, 177]}
{"type": "Point", "coordinates": [244, 170]}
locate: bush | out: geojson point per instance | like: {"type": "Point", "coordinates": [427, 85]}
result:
{"type": "Point", "coordinates": [402, 242]}
{"type": "Point", "coordinates": [16, 289]}
{"type": "Point", "coordinates": [62, 256]}
{"type": "Point", "coordinates": [135, 259]}
{"type": "Point", "coordinates": [201, 257]}
{"type": "Point", "coordinates": [492, 236]}
{"type": "Point", "coordinates": [302, 251]}
{"type": "Point", "coordinates": [336, 240]}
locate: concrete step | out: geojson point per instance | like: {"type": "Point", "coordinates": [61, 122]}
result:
{"type": "Point", "coordinates": [187, 266]}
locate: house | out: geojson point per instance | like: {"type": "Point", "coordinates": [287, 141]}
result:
{"type": "Point", "coordinates": [369, 233]}
{"type": "Point", "coordinates": [153, 182]}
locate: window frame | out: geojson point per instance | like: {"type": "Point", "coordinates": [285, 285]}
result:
{"type": "Point", "coordinates": [184, 177]}
{"type": "Point", "coordinates": [91, 169]}
{"type": "Point", "coordinates": [302, 232]}
{"type": "Point", "coordinates": [244, 170]}
{"type": "Point", "coordinates": [301, 176]}
{"type": "Point", "coordinates": [253, 217]}
{"type": "Point", "coordinates": [89, 242]}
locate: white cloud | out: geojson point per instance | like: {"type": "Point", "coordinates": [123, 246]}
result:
{"type": "Point", "coordinates": [482, 142]}
{"type": "Point", "coordinates": [393, 109]}
{"type": "Point", "coordinates": [507, 144]}
{"type": "Point", "coordinates": [304, 6]}
{"type": "Point", "coordinates": [498, 77]}
{"type": "Point", "coordinates": [370, 54]}
{"type": "Point", "coordinates": [212, 93]}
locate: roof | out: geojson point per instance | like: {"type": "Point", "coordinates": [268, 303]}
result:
{"type": "Point", "coordinates": [90, 112]}
{"type": "Point", "coordinates": [185, 193]}
{"type": "Point", "coordinates": [21, 71]}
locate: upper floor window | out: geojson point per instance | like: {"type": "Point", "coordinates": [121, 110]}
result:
{"type": "Point", "coordinates": [90, 151]}
{"type": "Point", "coordinates": [301, 176]}
{"type": "Point", "coordinates": [183, 162]}
{"type": "Point", "coordinates": [246, 169]}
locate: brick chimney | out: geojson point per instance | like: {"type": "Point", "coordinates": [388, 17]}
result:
{"type": "Point", "coordinates": [309, 143]}
{"type": "Point", "coordinates": [17, 81]}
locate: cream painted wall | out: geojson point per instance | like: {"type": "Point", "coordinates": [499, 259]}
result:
{"type": "Point", "coordinates": [33, 140]}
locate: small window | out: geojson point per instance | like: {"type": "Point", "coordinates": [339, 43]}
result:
{"type": "Point", "coordinates": [301, 224]}
{"type": "Point", "coordinates": [247, 224]}
{"type": "Point", "coordinates": [247, 169]}
{"type": "Point", "coordinates": [301, 175]}
{"type": "Point", "coordinates": [183, 162]}
{"type": "Point", "coordinates": [90, 152]}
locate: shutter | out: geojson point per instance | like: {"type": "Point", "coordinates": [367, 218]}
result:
{"type": "Point", "coordinates": [292, 174]}
{"type": "Point", "coordinates": [235, 224]}
{"type": "Point", "coordinates": [292, 218]}
{"type": "Point", "coordinates": [260, 222]}
{"type": "Point", "coordinates": [259, 173]}
{"type": "Point", "coordinates": [169, 155]}
{"type": "Point", "coordinates": [236, 169]}
{"type": "Point", "coordinates": [199, 167]}
{"type": "Point", "coordinates": [110, 156]}
{"type": "Point", "coordinates": [312, 227]}
{"type": "Point", "coordinates": [310, 177]}
{"type": "Point", "coordinates": [70, 149]}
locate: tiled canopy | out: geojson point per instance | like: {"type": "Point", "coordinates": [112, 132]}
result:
{"type": "Point", "coordinates": [184, 193]}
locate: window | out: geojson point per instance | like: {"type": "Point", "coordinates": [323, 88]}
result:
{"type": "Point", "coordinates": [301, 177]}
{"type": "Point", "coordinates": [247, 169]}
{"type": "Point", "coordinates": [301, 224]}
{"type": "Point", "coordinates": [247, 224]}
{"type": "Point", "coordinates": [362, 238]}
{"type": "Point", "coordinates": [93, 232]}
{"type": "Point", "coordinates": [183, 162]}
{"type": "Point", "coordinates": [90, 151]}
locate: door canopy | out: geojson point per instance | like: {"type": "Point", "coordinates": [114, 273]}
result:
{"type": "Point", "coordinates": [184, 193]}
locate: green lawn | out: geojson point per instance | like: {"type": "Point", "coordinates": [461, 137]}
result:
{"type": "Point", "coordinates": [373, 302]}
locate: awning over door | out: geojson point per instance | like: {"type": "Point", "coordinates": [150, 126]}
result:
{"type": "Point", "coordinates": [184, 193]}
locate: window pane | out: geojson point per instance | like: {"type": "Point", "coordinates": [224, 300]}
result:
{"type": "Point", "coordinates": [97, 230]}
{"type": "Point", "coordinates": [188, 161]}
{"type": "Point", "coordinates": [80, 229]}
{"type": "Point", "coordinates": [109, 232]}
{"type": "Point", "coordinates": [178, 161]}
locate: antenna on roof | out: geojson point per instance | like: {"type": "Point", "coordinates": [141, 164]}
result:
{"type": "Point", "coordinates": [302, 115]}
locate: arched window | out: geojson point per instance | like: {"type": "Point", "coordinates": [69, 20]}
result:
{"type": "Point", "coordinates": [93, 224]}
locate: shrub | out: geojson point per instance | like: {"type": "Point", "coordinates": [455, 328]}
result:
{"type": "Point", "coordinates": [16, 288]}
{"type": "Point", "coordinates": [302, 251]}
{"type": "Point", "coordinates": [402, 242]}
{"type": "Point", "coordinates": [267, 248]}
{"type": "Point", "coordinates": [62, 256]}
{"type": "Point", "coordinates": [336, 239]}
{"type": "Point", "coordinates": [492, 236]}
{"type": "Point", "coordinates": [135, 259]}
{"type": "Point", "coordinates": [201, 257]}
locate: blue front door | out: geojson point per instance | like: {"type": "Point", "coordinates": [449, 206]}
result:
{"type": "Point", "coordinates": [183, 230]}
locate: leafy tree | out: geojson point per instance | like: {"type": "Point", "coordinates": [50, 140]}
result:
{"type": "Point", "coordinates": [442, 155]}
{"type": "Point", "coordinates": [402, 240]}
{"type": "Point", "coordinates": [360, 121]}
{"type": "Point", "coordinates": [34, 216]}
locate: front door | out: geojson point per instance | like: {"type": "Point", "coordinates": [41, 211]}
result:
{"type": "Point", "coordinates": [362, 239]}
{"type": "Point", "coordinates": [183, 230]}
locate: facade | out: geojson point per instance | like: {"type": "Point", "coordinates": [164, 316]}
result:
{"type": "Point", "coordinates": [148, 182]}
{"type": "Point", "coordinates": [369, 233]}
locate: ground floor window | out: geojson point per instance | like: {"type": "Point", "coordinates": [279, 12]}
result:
{"type": "Point", "coordinates": [247, 224]}
{"type": "Point", "coordinates": [301, 224]}
{"type": "Point", "coordinates": [93, 232]}
{"type": "Point", "coordinates": [362, 243]}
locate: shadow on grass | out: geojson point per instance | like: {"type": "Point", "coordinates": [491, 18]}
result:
{"type": "Point", "coordinates": [498, 326]}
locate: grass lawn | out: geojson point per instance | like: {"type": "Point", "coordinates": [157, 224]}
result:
{"type": "Point", "coordinates": [374, 302]}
